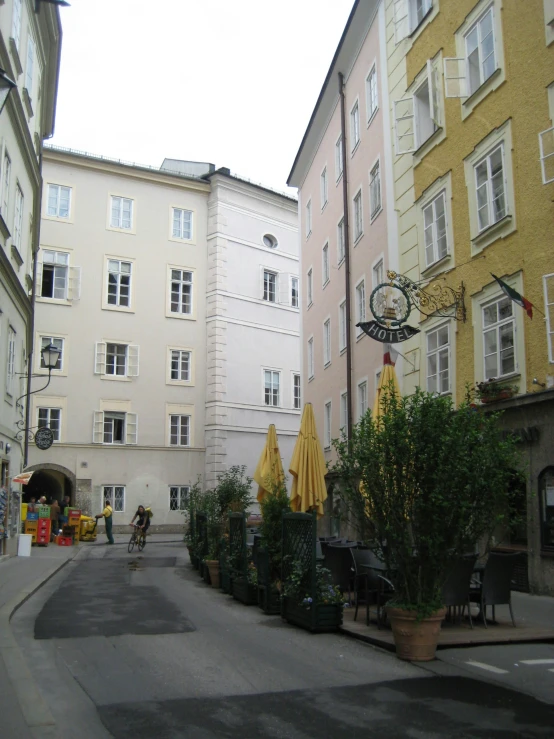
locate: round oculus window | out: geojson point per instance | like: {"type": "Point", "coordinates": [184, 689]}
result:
{"type": "Point", "coordinates": [270, 241]}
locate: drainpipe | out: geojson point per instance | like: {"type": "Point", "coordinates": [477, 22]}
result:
{"type": "Point", "coordinates": [346, 259]}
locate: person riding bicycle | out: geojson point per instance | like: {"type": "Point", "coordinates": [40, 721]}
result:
{"type": "Point", "coordinates": [143, 519]}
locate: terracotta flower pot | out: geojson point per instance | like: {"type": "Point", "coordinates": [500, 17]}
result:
{"type": "Point", "coordinates": [415, 640]}
{"type": "Point", "coordinates": [213, 566]}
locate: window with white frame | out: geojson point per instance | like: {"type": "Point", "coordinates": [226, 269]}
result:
{"type": "Point", "coordinates": [378, 273]}
{"type": "Point", "coordinates": [59, 201]}
{"type": "Point", "coordinates": [121, 213]}
{"type": "Point", "coordinates": [325, 263]}
{"type": "Point", "coordinates": [50, 418]}
{"type": "Point", "coordinates": [343, 411]}
{"type": "Point", "coordinates": [296, 392]}
{"type": "Point", "coordinates": [358, 216]}
{"type": "Point", "coordinates": [371, 93]}
{"type": "Point", "coordinates": [59, 344]}
{"type": "Point", "coordinates": [182, 224]}
{"type": "Point", "coordinates": [360, 306]}
{"type": "Point", "coordinates": [418, 116]}
{"type": "Point", "coordinates": [499, 338]}
{"type": "Point", "coordinates": [546, 149]}
{"type": "Point", "coordinates": [115, 495]}
{"type": "Point", "coordinates": [180, 365]}
{"type": "Point", "coordinates": [327, 342]}
{"type": "Point", "coordinates": [490, 188]}
{"type": "Point", "coordinates": [18, 217]}
{"type": "Point", "coordinates": [272, 385]}
{"type": "Point", "coordinates": [308, 218]}
{"type": "Point", "coordinates": [115, 427]}
{"type": "Point", "coordinates": [270, 286]}
{"type": "Point", "coordinates": [310, 286]}
{"type": "Point", "coordinates": [340, 241]}
{"type": "Point", "coordinates": [438, 360]}
{"type": "Point", "coordinates": [362, 399]}
{"type": "Point", "coordinates": [10, 365]}
{"type": "Point", "coordinates": [179, 430]}
{"type": "Point", "coordinates": [311, 362]}
{"type": "Point", "coordinates": [342, 326]}
{"type": "Point", "coordinates": [16, 22]}
{"type": "Point", "coordinates": [548, 282]}
{"type": "Point", "coordinates": [55, 275]}
{"type": "Point", "coordinates": [6, 174]}
{"type": "Point", "coordinates": [327, 426]}
{"type": "Point", "coordinates": [434, 229]}
{"type": "Point", "coordinates": [375, 190]}
{"type": "Point", "coordinates": [116, 360]}
{"type": "Point", "coordinates": [181, 291]}
{"type": "Point", "coordinates": [355, 125]}
{"type": "Point", "coordinates": [30, 65]}
{"type": "Point", "coordinates": [178, 497]}
{"type": "Point", "coordinates": [339, 163]}
{"type": "Point", "coordinates": [294, 297]}
{"type": "Point", "coordinates": [480, 51]}
{"type": "Point", "coordinates": [323, 187]}
{"type": "Point", "coordinates": [119, 283]}
{"type": "Point", "coordinates": [408, 15]}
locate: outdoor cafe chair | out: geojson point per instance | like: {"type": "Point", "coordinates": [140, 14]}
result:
{"type": "Point", "coordinates": [456, 589]}
{"type": "Point", "coordinates": [496, 585]}
{"type": "Point", "coordinates": [365, 581]}
{"type": "Point", "coordinates": [338, 561]}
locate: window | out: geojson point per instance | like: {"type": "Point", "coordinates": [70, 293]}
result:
{"type": "Point", "coordinates": [308, 218]}
{"type": "Point", "coordinates": [59, 344]}
{"type": "Point", "coordinates": [339, 164]}
{"type": "Point", "coordinates": [358, 216]}
{"type": "Point", "coordinates": [272, 381]}
{"type": "Point", "coordinates": [16, 22]}
{"type": "Point", "coordinates": [310, 286]}
{"type": "Point", "coordinates": [343, 411]}
{"type": "Point", "coordinates": [362, 399]}
{"type": "Point", "coordinates": [548, 281]}
{"type": "Point", "coordinates": [179, 430]}
{"type": "Point", "coordinates": [355, 125]}
{"type": "Point", "coordinates": [480, 54]}
{"type": "Point", "coordinates": [59, 200]}
{"type": "Point", "coordinates": [311, 363]}
{"type": "Point", "coordinates": [327, 342]}
{"type": "Point", "coordinates": [546, 496]}
{"type": "Point", "coordinates": [122, 213]}
{"type": "Point", "coordinates": [340, 241]}
{"type": "Point", "coordinates": [499, 338]}
{"type": "Point", "coordinates": [371, 93]}
{"type": "Point", "coordinates": [408, 14]}
{"type": "Point", "coordinates": [325, 261]}
{"type": "Point", "coordinates": [116, 360]}
{"type": "Point", "coordinates": [181, 291]}
{"type": "Point", "coordinates": [490, 189]}
{"type": "Point", "coordinates": [342, 326]}
{"type": "Point", "coordinates": [182, 224]}
{"type": "Point", "coordinates": [434, 228]}
{"type": "Point", "coordinates": [327, 426]}
{"type": "Point", "coordinates": [323, 188]}
{"type": "Point", "coordinates": [417, 116]}
{"type": "Point", "coordinates": [50, 418]}
{"type": "Point", "coordinates": [378, 273]}
{"type": "Point", "coordinates": [294, 300]}
{"type": "Point", "coordinates": [114, 428]}
{"type": "Point", "coordinates": [119, 283]}
{"type": "Point", "coordinates": [180, 365]}
{"type": "Point", "coordinates": [546, 149]}
{"type": "Point", "coordinates": [438, 360]}
{"type": "Point", "coordinates": [270, 286]}
{"type": "Point", "coordinates": [375, 191]}
{"type": "Point", "coordinates": [30, 65]}
{"type": "Point", "coordinates": [296, 395]}
{"type": "Point", "coordinates": [10, 367]}
{"type": "Point", "coordinates": [6, 172]}
{"type": "Point", "coordinates": [18, 217]}
{"type": "Point", "coordinates": [55, 266]}
{"type": "Point", "coordinates": [115, 495]}
{"type": "Point", "coordinates": [270, 241]}
{"type": "Point", "coordinates": [178, 497]}
{"type": "Point", "coordinates": [360, 306]}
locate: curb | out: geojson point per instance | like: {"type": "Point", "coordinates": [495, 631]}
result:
{"type": "Point", "coordinates": [33, 707]}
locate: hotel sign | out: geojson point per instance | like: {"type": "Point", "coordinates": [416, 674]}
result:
{"type": "Point", "coordinates": [388, 335]}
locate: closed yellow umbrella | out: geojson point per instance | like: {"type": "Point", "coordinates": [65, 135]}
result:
{"type": "Point", "coordinates": [307, 467]}
{"type": "Point", "coordinates": [387, 381]}
{"type": "Point", "coordinates": [269, 471]}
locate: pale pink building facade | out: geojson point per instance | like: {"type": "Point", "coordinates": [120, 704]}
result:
{"type": "Point", "coordinates": [318, 172]}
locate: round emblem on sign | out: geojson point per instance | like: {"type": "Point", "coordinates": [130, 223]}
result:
{"type": "Point", "coordinates": [44, 438]}
{"type": "Point", "coordinates": [390, 304]}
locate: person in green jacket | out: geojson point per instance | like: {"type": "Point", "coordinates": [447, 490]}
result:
{"type": "Point", "coordinates": [107, 515]}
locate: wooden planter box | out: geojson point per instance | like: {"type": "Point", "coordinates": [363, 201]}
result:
{"type": "Point", "coordinates": [269, 600]}
{"type": "Point", "coordinates": [244, 592]}
{"type": "Point", "coordinates": [502, 395]}
{"type": "Point", "coordinates": [319, 618]}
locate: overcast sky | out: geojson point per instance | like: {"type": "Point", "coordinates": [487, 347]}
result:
{"type": "Point", "coordinates": [231, 82]}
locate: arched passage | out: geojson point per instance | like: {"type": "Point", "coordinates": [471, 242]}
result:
{"type": "Point", "coordinates": [51, 480]}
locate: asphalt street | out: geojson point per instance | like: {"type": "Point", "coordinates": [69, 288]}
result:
{"type": "Point", "coordinates": [137, 646]}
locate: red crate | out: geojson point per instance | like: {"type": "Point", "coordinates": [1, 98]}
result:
{"type": "Point", "coordinates": [64, 541]}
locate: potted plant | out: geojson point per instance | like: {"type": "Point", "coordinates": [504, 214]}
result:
{"type": "Point", "coordinates": [273, 505]}
{"type": "Point", "coordinates": [319, 609]}
{"type": "Point", "coordinates": [493, 390]}
{"type": "Point", "coordinates": [431, 482]}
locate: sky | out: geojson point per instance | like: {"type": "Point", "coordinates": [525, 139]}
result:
{"type": "Point", "coordinates": [232, 82]}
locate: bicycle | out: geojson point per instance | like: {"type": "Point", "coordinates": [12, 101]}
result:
{"type": "Point", "coordinates": [137, 537]}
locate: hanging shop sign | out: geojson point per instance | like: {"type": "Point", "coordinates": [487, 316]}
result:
{"type": "Point", "coordinates": [388, 335]}
{"type": "Point", "coordinates": [44, 438]}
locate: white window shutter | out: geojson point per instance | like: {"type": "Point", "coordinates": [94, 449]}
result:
{"type": "Point", "coordinates": [546, 147]}
{"type": "Point", "coordinates": [404, 125]}
{"type": "Point", "coordinates": [132, 360]}
{"type": "Point", "coordinates": [38, 282]}
{"type": "Point", "coordinates": [433, 82]}
{"type": "Point", "coordinates": [131, 428]}
{"type": "Point", "coordinates": [100, 358]}
{"type": "Point", "coordinates": [455, 77]}
{"type": "Point", "coordinates": [284, 287]}
{"type": "Point", "coordinates": [98, 427]}
{"type": "Point", "coordinates": [401, 20]}
{"type": "Point", "coordinates": [261, 283]}
{"type": "Point", "coordinates": [74, 283]}
{"type": "Point", "coordinates": [548, 281]}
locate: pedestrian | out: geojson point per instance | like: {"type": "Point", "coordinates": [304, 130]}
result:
{"type": "Point", "coordinates": [54, 516]}
{"type": "Point", "coordinates": [31, 505]}
{"type": "Point", "coordinates": [66, 503]}
{"type": "Point", "coordinates": [107, 515]}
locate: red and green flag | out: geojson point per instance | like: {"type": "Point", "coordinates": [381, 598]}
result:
{"type": "Point", "coordinates": [515, 296]}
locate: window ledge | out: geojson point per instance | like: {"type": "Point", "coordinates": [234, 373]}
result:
{"type": "Point", "coordinates": [309, 305]}
{"type": "Point", "coordinates": [308, 235]}
{"type": "Point", "coordinates": [324, 205]}
{"type": "Point", "coordinates": [327, 364]}
{"type": "Point", "coordinates": [490, 230]}
{"type": "Point", "coordinates": [115, 378]}
{"type": "Point", "coordinates": [360, 336]}
{"type": "Point", "coordinates": [28, 102]}
{"type": "Point", "coordinates": [16, 255]}
{"type": "Point", "coordinates": [15, 54]}
{"type": "Point", "coordinates": [327, 281]}
{"type": "Point", "coordinates": [118, 308]}
{"type": "Point", "coordinates": [339, 178]}
{"type": "Point", "coordinates": [421, 149]}
{"type": "Point", "coordinates": [340, 263]}
{"type": "Point", "coordinates": [355, 149]}
{"type": "Point", "coordinates": [53, 301]}
{"type": "Point", "coordinates": [4, 230]}
{"type": "Point", "coordinates": [471, 99]}
{"type": "Point", "coordinates": [372, 117]}
{"type": "Point", "coordinates": [311, 378]}
{"type": "Point", "coordinates": [434, 265]}
{"type": "Point", "coordinates": [376, 214]}
{"type": "Point", "coordinates": [358, 239]}
{"type": "Point", "coordinates": [342, 351]}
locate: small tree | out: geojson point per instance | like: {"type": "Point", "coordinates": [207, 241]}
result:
{"type": "Point", "coordinates": [234, 490]}
{"type": "Point", "coordinates": [430, 482]}
{"type": "Point", "coordinates": [273, 505]}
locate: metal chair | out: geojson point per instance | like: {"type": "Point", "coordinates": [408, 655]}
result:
{"type": "Point", "coordinates": [456, 589]}
{"type": "Point", "coordinates": [364, 579]}
{"type": "Point", "coordinates": [338, 561]}
{"type": "Point", "coordinates": [495, 589]}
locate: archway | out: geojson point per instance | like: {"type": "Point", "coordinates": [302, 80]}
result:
{"type": "Point", "coordinates": [52, 480]}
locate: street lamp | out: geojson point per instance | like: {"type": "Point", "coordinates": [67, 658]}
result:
{"type": "Point", "coordinates": [6, 86]}
{"type": "Point", "coordinates": [50, 355]}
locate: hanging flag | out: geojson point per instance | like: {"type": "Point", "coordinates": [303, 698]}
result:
{"type": "Point", "coordinates": [390, 354]}
{"type": "Point", "coordinates": [515, 296]}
